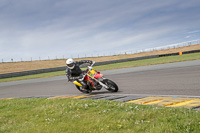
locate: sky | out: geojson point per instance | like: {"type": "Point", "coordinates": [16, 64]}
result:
{"type": "Point", "coordinates": [49, 29]}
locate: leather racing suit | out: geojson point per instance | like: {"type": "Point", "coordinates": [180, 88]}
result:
{"type": "Point", "coordinates": [76, 72]}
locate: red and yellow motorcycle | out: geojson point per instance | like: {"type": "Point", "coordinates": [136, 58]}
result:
{"type": "Point", "coordinates": [95, 81]}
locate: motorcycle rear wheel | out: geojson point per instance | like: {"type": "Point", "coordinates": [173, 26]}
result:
{"type": "Point", "coordinates": [112, 86]}
{"type": "Point", "coordinates": [81, 89]}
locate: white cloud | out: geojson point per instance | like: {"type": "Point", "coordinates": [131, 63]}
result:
{"type": "Point", "coordinates": [187, 36]}
{"type": "Point", "coordinates": [196, 31]}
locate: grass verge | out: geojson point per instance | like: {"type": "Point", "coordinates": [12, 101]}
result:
{"type": "Point", "coordinates": [161, 60]}
{"type": "Point", "coordinates": [85, 116]}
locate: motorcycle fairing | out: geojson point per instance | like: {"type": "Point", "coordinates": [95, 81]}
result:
{"type": "Point", "coordinates": [99, 75]}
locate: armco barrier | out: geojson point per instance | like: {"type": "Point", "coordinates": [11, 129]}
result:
{"type": "Point", "coordinates": [31, 72]}
{"type": "Point", "coordinates": [172, 54]}
{"type": "Point", "coordinates": [193, 51]}
{"type": "Point", "coordinates": [186, 52]}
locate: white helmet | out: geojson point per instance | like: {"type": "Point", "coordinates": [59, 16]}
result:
{"type": "Point", "coordinates": [70, 63]}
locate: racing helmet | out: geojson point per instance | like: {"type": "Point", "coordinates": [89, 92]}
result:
{"type": "Point", "coordinates": [70, 63]}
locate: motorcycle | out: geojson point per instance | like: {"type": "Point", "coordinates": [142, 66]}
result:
{"type": "Point", "coordinates": [95, 81]}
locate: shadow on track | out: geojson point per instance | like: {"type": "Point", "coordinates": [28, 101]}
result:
{"type": "Point", "coordinates": [104, 92]}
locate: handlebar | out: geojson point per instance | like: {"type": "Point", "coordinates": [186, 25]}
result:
{"type": "Point", "coordinates": [92, 64]}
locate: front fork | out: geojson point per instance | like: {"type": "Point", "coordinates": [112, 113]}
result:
{"type": "Point", "coordinates": [101, 83]}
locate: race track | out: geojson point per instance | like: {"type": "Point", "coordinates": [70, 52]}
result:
{"type": "Point", "coordinates": [177, 79]}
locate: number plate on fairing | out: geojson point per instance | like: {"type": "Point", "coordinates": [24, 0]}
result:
{"type": "Point", "coordinates": [91, 73]}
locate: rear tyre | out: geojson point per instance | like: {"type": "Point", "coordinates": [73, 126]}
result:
{"type": "Point", "coordinates": [112, 86]}
{"type": "Point", "coordinates": [83, 90]}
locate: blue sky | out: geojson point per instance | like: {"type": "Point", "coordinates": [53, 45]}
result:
{"type": "Point", "coordinates": [50, 28]}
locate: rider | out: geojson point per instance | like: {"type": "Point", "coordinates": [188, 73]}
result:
{"type": "Point", "coordinates": [73, 71]}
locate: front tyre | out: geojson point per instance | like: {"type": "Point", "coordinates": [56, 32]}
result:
{"type": "Point", "coordinates": [112, 87]}
{"type": "Point", "coordinates": [81, 89]}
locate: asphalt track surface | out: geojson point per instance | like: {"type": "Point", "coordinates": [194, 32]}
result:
{"type": "Point", "coordinates": [173, 79]}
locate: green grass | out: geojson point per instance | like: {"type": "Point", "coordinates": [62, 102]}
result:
{"type": "Point", "coordinates": [161, 60]}
{"type": "Point", "coordinates": [85, 116]}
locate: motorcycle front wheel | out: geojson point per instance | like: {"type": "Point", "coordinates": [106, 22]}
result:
{"type": "Point", "coordinates": [81, 89]}
{"type": "Point", "coordinates": [112, 86]}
